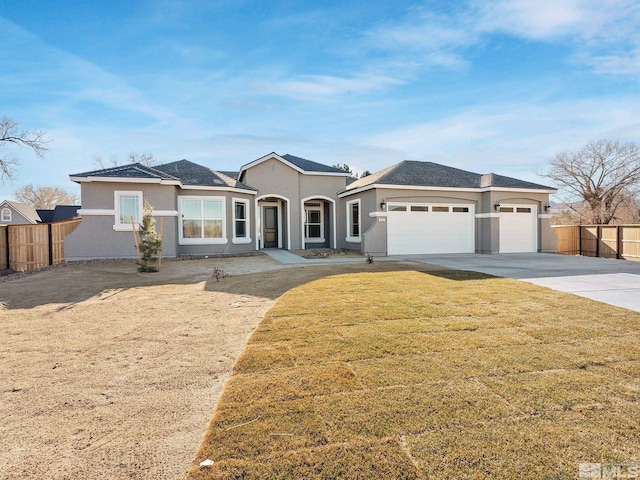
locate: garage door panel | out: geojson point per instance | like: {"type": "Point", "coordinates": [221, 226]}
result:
{"type": "Point", "coordinates": [518, 229]}
{"type": "Point", "coordinates": [419, 232]}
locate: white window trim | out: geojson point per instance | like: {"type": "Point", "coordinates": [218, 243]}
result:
{"type": "Point", "coordinates": [352, 238]}
{"type": "Point", "coordinates": [319, 239]}
{"type": "Point", "coordinates": [202, 241]}
{"type": "Point", "coordinates": [247, 216]}
{"type": "Point", "coordinates": [126, 227]}
{"type": "Point", "coordinates": [4, 210]}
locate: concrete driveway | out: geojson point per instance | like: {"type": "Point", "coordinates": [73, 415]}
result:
{"type": "Point", "coordinates": [616, 282]}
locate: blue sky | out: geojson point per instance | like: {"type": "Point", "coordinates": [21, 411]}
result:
{"type": "Point", "coordinates": [488, 86]}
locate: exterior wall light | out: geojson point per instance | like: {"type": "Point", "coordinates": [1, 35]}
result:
{"type": "Point", "coordinates": [497, 206]}
{"type": "Point", "coordinates": [383, 204]}
{"type": "Point", "coordinates": [547, 207]}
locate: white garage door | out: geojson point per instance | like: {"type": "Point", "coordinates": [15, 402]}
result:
{"type": "Point", "coordinates": [430, 228]}
{"type": "Point", "coordinates": [518, 228]}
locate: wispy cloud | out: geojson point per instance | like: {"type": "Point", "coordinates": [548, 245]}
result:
{"type": "Point", "coordinates": [322, 87]}
{"type": "Point", "coordinates": [423, 38]}
{"type": "Point", "coordinates": [429, 38]}
{"type": "Point", "coordinates": [624, 63]}
{"type": "Point", "coordinates": [553, 19]}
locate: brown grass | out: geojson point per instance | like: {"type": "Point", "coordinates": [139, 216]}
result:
{"type": "Point", "coordinates": [429, 375]}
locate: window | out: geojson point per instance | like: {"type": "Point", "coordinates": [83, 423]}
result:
{"type": "Point", "coordinates": [460, 209]}
{"type": "Point", "coordinates": [440, 209]}
{"type": "Point", "coordinates": [353, 221]}
{"type": "Point", "coordinates": [397, 208]}
{"type": "Point", "coordinates": [523, 210]}
{"type": "Point", "coordinates": [6, 215]}
{"type": "Point", "coordinates": [241, 221]}
{"type": "Point", "coordinates": [313, 224]}
{"type": "Point", "coordinates": [419, 208]}
{"type": "Point", "coordinates": [202, 220]}
{"type": "Point", "coordinates": [128, 205]}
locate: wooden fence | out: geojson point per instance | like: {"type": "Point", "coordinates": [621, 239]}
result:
{"type": "Point", "coordinates": [27, 247]}
{"type": "Point", "coordinates": [609, 241]}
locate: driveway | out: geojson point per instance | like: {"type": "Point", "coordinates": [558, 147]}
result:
{"type": "Point", "coordinates": [616, 282]}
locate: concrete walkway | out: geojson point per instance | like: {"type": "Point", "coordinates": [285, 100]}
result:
{"type": "Point", "coordinates": [616, 282]}
{"type": "Point", "coordinates": [287, 258]}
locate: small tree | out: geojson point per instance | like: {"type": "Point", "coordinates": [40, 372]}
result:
{"type": "Point", "coordinates": [150, 244]}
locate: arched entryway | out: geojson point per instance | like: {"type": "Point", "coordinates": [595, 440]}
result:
{"type": "Point", "coordinates": [273, 222]}
{"type": "Point", "coordinates": [318, 222]}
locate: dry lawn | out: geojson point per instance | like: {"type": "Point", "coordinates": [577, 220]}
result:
{"type": "Point", "coordinates": [411, 374]}
{"type": "Point", "coordinates": [107, 373]}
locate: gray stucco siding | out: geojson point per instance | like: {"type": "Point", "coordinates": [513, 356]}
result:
{"type": "Point", "coordinates": [100, 195]}
{"type": "Point", "coordinates": [95, 238]}
{"type": "Point", "coordinates": [487, 221]}
{"type": "Point", "coordinates": [274, 178]}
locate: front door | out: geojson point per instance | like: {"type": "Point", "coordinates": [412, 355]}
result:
{"type": "Point", "coordinates": [270, 216]}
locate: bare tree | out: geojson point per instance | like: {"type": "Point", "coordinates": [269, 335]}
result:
{"type": "Point", "coordinates": [10, 134]}
{"type": "Point", "coordinates": [45, 197]}
{"type": "Point", "coordinates": [605, 174]}
{"type": "Point", "coordinates": [144, 158]}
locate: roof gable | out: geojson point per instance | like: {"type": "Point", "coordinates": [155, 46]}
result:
{"type": "Point", "coordinates": [26, 211]}
{"type": "Point", "coordinates": [301, 165]}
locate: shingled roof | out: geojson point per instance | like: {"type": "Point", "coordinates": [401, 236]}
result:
{"type": "Point", "coordinates": [132, 170]}
{"type": "Point", "coordinates": [429, 174]}
{"type": "Point", "coordinates": [301, 164]}
{"type": "Point", "coordinates": [309, 166]}
{"type": "Point", "coordinates": [191, 173]}
{"type": "Point", "coordinates": [182, 171]}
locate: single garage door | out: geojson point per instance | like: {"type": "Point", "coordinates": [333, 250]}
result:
{"type": "Point", "coordinates": [430, 228]}
{"type": "Point", "coordinates": [518, 228]}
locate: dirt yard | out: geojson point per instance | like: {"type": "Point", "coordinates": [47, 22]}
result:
{"type": "Point", "coordinates": [107, 373]}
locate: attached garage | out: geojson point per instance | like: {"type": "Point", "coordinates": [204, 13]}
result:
{"type": "Point", "coordinates": [430, 228]}
{"type": "Point", "coordinates": [518, 228]}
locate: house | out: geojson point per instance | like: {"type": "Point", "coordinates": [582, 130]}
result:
{"type": "Point", "coordinates": [14, 213]}
{"type": "Point", "coordinates": [288, 202]}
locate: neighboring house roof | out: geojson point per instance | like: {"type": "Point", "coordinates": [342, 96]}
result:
{"type": "Point", "coordinates": [429, 174]}
{"type": "Point", "coordinates": [46, 216]}
{"type": "Point", "coordinates": [182, 172]}
{"type": "Point", "coordinates": [27, 211]}
{"type": "Point", "coordinates": [59, 213]}
{"type": "Point", "coordinates": [302, 165]}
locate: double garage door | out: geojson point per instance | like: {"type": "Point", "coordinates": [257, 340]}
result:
{"type": "Point", "coordinates": [430, 228]}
